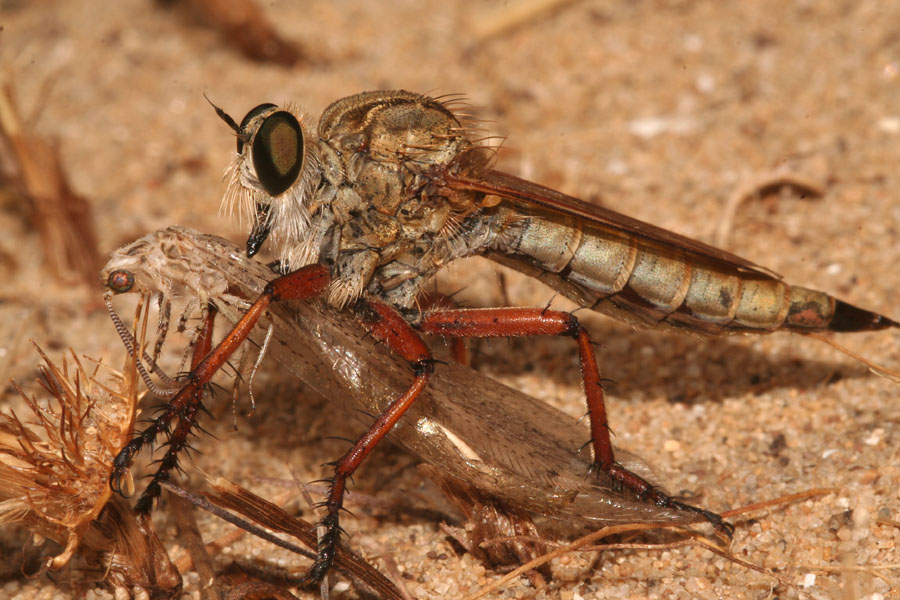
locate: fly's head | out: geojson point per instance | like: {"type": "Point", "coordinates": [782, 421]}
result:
{"type": "Point", "coordinates": [273, 175]}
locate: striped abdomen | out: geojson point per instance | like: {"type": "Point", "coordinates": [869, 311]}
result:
{"type": "Point", "coordinates": [651, 284]}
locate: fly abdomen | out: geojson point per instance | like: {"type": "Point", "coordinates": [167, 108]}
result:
{"type": "Point", "coordinates": [655, 287]}
{"type": "Point", "coordinates": [812, 310]}
{"type": "Point", "coordinates": [648, 285]}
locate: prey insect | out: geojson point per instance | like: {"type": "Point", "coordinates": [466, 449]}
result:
{"type": "Point", "coordinates": [505, 444]}
{"type": "Point", "coordinates": [393, 186]}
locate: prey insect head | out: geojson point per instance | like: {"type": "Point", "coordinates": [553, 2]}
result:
{"type": "Point", "coordinates": [120, 281]}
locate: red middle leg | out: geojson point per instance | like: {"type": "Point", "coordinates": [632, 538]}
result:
{"type": "Point", "coordinates": [388, 327]}
{"type": "Point", "coordinates": [436, 302]}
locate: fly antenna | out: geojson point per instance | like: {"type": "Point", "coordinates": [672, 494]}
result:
{"type": "Point", "coordinates": [226, 117]}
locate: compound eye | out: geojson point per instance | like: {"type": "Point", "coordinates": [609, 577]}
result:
{"type": "Point", "coordinates": [277, 151]}
{"type": "Point", "coordinates": [120, 281]}
{"type": "Point", "coordinates": [243, 130]}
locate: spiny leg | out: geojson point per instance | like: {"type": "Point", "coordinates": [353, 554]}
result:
{"type": "Point", "coordinates": [186, 411]}
{"type": "Point", "coordinates": [383, 322]}
{"type": "Point", "coordinates": [389, 327]}
{"type": "Point", "coordinates": [505, 322]}
{"type": "Point", "coordinates": [304, 283]}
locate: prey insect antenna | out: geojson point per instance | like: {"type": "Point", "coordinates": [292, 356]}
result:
{"type": "Point", "coordinates": [130, 343]}
{"type": "Point", "coordinates": [259, 358]}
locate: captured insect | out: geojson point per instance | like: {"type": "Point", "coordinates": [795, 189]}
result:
{"type": "Point", "coordinates": [506, 445]}
{"type": "Point", "coordinates": [394, 185]}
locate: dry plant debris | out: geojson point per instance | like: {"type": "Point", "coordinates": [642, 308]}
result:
{"type": "Point", "coordinates": [244, 26]}
{"type": "Point", "coordinates": [54, 470]}
{"type": "Point", "coordinates": [32, 166]}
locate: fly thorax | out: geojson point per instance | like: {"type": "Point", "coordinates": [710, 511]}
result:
{"type": "Point", "coordinates": [393, 127]}
{"type": "Point", "coordinates": [398, 284]}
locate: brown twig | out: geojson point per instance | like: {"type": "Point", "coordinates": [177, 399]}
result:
{"type": "Point", "coordinates": [61, 216]}
{"type": "Point", "coordinates": [509, 16]}
{"type": "Point", "coordinates": [759, 186]}
{"type": "Point", "coordinates": [584, 544]}
{"type": "Point", "coordinates": [892, 374]}
{"type": "Point", "coordinates": [264, 514]}
{"type": "Point", "coordinates": [189, 535]}
{"type": "Point", "coordinates": [576, 545]}
{"type": "Point", "coordinates": [781, 500]}
{"type": "Point", "coordinates": [243, 25]}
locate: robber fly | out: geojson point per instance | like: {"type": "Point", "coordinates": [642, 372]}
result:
{"type": "Point", "coordinates": [393, 185]}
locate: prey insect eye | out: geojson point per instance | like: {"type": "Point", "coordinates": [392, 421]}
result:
{"type": "Point", "coordinates": [277, 151]}
{"type": "Point", "coordinates": [120, 281]}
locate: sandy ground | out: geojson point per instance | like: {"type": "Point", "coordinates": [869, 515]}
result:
{"type": "Point", "coordinates": [663, 110]}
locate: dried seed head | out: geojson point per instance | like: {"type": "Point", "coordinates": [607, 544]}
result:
{"type": "Point", "coordinates": [55, 464]}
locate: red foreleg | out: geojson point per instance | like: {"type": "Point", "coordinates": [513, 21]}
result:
{"type": "Point", "coordinates": [303, 283]}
